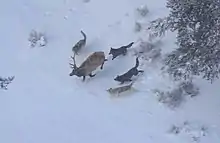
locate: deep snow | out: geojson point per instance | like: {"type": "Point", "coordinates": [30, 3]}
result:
{"type": "Point", "coordinates": [44, 105]}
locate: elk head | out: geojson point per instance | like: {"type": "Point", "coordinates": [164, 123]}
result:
{"type": "Point", "coordinates": [73, 66]}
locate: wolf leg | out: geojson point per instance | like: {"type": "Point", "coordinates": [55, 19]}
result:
{"type": "Point", "coordinates": [141, 71]}
{"type": "Point", "coordinates": [92, 75]}
{"type": "Point", "coordinates": [76, 53]}
{"type": "Point", "coordinates": [129, 80]}
{"type": "Point", "coordinates": [114, 57]}
{"type": "Point", "coordinates": [118, 94]}
{"type": "Point", "coordinates": [84, 77]}
{"type": "Point", "coordinates": [126, 80]}
{"type": "Point", "coordinates": [136, 72]}
{"type": "Point", "coordinates": [125, 52]}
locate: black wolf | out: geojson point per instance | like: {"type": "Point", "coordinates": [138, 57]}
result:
{"type": "Point", "coordinates": [120, 51]}
{"type": "Point", "coordinates": [126, 77]}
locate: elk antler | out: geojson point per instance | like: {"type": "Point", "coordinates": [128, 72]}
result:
{"type": "Point", "coordinates": [74, 62]}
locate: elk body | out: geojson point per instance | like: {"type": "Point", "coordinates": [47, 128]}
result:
{"type": "Point", "coordinates": [91, 63]}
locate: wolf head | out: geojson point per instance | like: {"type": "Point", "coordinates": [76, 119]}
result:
{"type": "Point", "coordinates": [118, 78]}
{"type": "Point", "coordinates": [110, 52]}
{"type": "Point", "coordinates": [109, 90]}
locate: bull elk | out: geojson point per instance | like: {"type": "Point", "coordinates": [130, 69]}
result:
{"type": "Point", "coordinates": [91, 63]}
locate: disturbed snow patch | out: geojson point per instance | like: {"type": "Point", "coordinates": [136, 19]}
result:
{"type": "Point", "coordinates": [192, 131]}
{"type": "Point", "coordinates": [37, 39]}
{"type": "Point", "coordinates": [176, 96]}
{"type": "Point", "coordinates": [149, 51]}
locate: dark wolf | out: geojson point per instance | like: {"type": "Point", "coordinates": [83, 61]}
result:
{"type": "Point", "coordinates": [126, 77]}
{"type": "Point", "coordinates": [120, 51]}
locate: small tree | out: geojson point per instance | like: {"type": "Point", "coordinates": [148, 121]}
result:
{"type": "Point", "coordinates": [37, 39]}
{"type": "Point", "coordinates": [197, 23]}
{"type": "Point", "coordinates": [4, 82]}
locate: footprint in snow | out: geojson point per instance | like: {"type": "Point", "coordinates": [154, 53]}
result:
{"type": "Point", "coordinates": [86, 1]}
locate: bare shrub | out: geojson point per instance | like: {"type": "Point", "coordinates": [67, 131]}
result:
{"type": "Point", "coordinates": [177, 96]}
{"type": "Point", "coordinates": [137, 27]}
{"type": "Point", "coordinates": [174, 129]}
{"type": "Point", "coordinates": [142, 10]}
{"type": "Point", "coordinates": [149, 51]}
{"type": "Point", "coordinates": [172, 99]}
{"type": "Point", "coordinates": [194, 131]}
{"type": "Point", "coordinates": [4, 82]}
{"type": "Point", "coordinates": [37, 39]}
{"type": "Point", "coordinates": [189, 88]}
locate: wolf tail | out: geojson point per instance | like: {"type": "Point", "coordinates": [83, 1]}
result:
{"type": "Point", "coordinates": [84, 35]}
{"type": "Point", "coordinates": [137, 63]}
{"type": "Point", "coordinates": [129, 45]}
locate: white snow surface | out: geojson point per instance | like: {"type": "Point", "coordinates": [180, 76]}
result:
{"type": "Point", "coordinates": [45, 105]}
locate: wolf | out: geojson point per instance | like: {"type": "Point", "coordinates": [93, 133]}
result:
{"type": "Point", "coordinates": [119, 90]}
{"type": "Point", "coordinates": [126, 77]}
{"type": "Point", "coordinates": [80, 44]}
{"type": "Point", "coordinates": [120, 51]}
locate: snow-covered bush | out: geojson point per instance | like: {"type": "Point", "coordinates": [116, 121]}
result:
{"type": "Point", "coordinates": [174, 129]}
{"type": "Point", "coordinates": [172, 99]}
{"type": "Point", "coordinates": [137, 26]}
{"type": "Point", "coordinates": [37, 39]}
{"type": "Point", "coordinates": [196, 23]}
{"type": "Point", "coordinates": [189, 88]}
{"type": "Point", "coordinates": [177, 96]}
{"type": "Point", "coordinates": [193, 131]}
{"type": "Point", "coordinates": [4, 82]}
{"type": "Point", "coordinates": [142, 10]}
{"type": "Point", "coordinates": [149, 51]}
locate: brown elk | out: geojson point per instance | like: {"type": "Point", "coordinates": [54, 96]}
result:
{"type": "Point", "coordinates": [93, 61]}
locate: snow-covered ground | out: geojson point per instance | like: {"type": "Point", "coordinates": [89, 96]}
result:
{"type": "Point", "coordinates": [45, 105]}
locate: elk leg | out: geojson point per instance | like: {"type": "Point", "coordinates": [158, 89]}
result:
{"type": "Point", "coordinates": [92, 75]}
{"type": "Point", "coordinates": [102, 65]}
